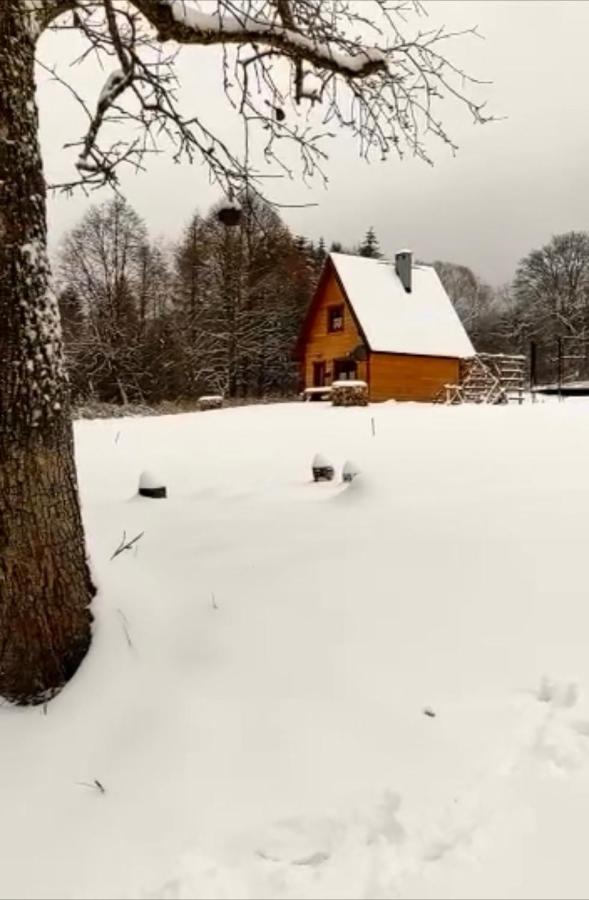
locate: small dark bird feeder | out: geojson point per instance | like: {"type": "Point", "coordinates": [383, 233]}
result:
{"type": "Point", "coordinates": [322, 469]}
{"type": "Point", "coordinates": [229, 213]}
{"type": "Point", "coordinates": [150, 486]}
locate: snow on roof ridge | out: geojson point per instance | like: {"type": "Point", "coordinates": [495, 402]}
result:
{"type": "Point", "coordinates": [383, 260]}
{"type": "Point", "coordinates": [422, 323]}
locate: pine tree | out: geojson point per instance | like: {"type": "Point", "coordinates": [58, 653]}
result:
{"type": "Point", "coordinates": [320, 252]}
{"type": "Point", "coordinates": [370, 246]}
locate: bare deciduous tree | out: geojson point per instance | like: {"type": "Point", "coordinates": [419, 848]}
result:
{"type": "Point", "coordinates": [280, 56]}
{"type": "Point", "coordinates": [550, 300]}
{"type": "Point", "coordinates": [108, 263]}
{"type": "Point", "coordinates": [472, 298]}
{"type": "Point", "coordinates": [553, 284]}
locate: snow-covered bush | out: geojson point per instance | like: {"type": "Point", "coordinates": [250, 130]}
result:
{"type": "Point", "coordinates": [350, 470]}
{"type": "Point", "coordinates": [349, 393]}
{"type": "Point", "coordinates": [322, 468]}
{"type": "Point", "coordinates": [212, 401]}
{"type": "Point", "coordinates": [151, 486]}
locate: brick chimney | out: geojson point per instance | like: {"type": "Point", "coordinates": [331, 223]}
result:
{"type": "Point", "coordinates": [403, 263]}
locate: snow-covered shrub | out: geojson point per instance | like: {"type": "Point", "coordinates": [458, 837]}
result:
{"type": "Point", "coordinates": [322, 468]}
{"type": "Point", "coordinates": [349, 393]}
{"type": "Point", "coordinates": [212, 401]}
{"type": "Point", "coordinates": [151, 486]}
{"type": "Point", "coordinates": [350, 470]}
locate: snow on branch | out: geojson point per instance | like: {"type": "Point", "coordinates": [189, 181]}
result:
{"type": "Point", "coordinates": [116, 83]}
{"type": "Point", "coordinates": [113, 82]}
{"type": "Point", "coordinates": [180, 21]}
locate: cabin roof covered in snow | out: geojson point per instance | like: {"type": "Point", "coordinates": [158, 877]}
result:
{"type": "Point", "coordinates": [423, 322]}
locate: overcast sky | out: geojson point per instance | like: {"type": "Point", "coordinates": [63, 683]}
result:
{"type": "Point", "coordinates": [511, 186]}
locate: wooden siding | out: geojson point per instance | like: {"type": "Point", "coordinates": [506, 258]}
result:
{"type": "Point", "coordinates": [325, 346]}
{"type": "Point", "coordinates": [399, 377]}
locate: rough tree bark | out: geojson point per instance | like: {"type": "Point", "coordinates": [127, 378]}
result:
{"type": "Point", "coordinates": [45, 585]}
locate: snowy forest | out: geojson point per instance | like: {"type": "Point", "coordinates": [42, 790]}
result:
{"type": "Point", "coordinates": [219, 310]}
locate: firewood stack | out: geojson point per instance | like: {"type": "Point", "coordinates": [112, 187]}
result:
{"type": "Point", "coordinates": [349, 393]}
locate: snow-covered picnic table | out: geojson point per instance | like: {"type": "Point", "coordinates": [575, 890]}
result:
{"type": "Point", "coordinates": [315, 393]}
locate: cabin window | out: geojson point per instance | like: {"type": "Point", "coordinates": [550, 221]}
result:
{"type": "Point", "coordinates": [344, 370]}
{"type": "Point", "coordinates": [335, 318]}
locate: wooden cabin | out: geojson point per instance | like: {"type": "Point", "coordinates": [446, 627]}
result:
{"type": "Point", "coordinates": [390, 324]}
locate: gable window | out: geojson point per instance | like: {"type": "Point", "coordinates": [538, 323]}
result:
{"type": "Point", "coordinates": [335, 318]}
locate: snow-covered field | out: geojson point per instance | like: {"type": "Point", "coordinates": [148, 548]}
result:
{"type": "Point", "coordinates": [317, 690]}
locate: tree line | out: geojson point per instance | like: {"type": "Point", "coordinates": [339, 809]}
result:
{"type": "Point", "coordinates": [219, 310]}
{"type": "Point", "coordinates": [545, 304]}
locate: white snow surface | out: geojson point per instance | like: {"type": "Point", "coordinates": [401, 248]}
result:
{"type": "Point", "coordinates": [149, 481]}
{"type": "Point", "coordinates": [320, 690]}
{"type": "Point", "coordinates": [423, 322]}
{"type": "Point", "coordinates": [348, 382]}
{"type": "Point", "coordinates": [227, 203]}
{"type": "Point", "coordinates": [312, 86]}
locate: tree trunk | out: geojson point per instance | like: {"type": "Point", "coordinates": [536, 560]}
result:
{"type": "Point", "coordinates": [45, 585]}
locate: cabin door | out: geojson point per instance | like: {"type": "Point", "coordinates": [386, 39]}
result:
{"type": "Point", "coordinates": [319, 374]}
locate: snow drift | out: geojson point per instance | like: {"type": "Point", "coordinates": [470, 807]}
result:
{"type": "Point", "coordinates": [320, 690]}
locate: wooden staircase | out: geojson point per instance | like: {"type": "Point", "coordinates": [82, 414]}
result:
{"type": "Point", "coordinates": [487, 378]}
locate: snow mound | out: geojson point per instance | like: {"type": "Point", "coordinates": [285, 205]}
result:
{"type": "Point", "coordinates": [148, 481]}
{"type": "Point", "coordinates": [564, 694]}
{"type": "Point", "coordinates": [350, 471]}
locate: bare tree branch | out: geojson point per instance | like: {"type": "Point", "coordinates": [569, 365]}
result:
{"type": "Point", "coordinates": [178, 21]}
{"type": "Point", "coordinates": [353, 64]}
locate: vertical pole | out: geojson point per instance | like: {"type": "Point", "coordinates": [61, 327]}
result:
{"type": "Point", "coordinates": [533, 363]}
{"type": "Point", "coordinates": [559, 368]}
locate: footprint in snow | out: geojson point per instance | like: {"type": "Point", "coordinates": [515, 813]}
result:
{"type": "Point", "coordinates": [555, 738]}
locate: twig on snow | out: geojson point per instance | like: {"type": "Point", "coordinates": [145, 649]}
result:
{"type": "Point", "coordinates": [125, 624]}
{"type": "Point", "coordinates": [96, 785]}
{"type": "Point", "coordinates": [125, 544]}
